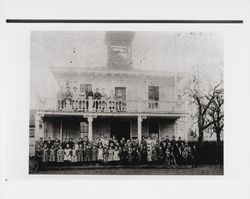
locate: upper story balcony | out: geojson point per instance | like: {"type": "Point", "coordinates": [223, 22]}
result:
{"type": "Point", "coordinates": [110, 106]}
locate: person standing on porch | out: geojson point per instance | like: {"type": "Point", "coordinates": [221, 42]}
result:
{"type": "Point", "coordinates": [97, 97]}
{"type": "Point", "coordinates": [60, 99]}
{"type": "Point", "coordinates": [104, 106]}
{"type": "Point", "coordinates": [75, 99]}
{"type": "Point", "coordinates": [89, 95]}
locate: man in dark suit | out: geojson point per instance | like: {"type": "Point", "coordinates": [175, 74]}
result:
{"type": "Point", "coordinates": [89, 93]}
{"type": "Point", "coordinates": [173, 141]}
{"type": "Point", "coordinates": [49, 142]}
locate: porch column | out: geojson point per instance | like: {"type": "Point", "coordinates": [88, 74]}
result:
{"type": "Point", "coordinates": [61, 132]}
{"type": "Point", "coordinates": [90, 127]}
{"type": "Point", "coordinates": [139, 126]}
{"type": "Point", "coordinates": [38, 133]}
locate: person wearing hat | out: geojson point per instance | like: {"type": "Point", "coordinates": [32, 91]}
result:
{"type": "Point", "coordinates": [68, 93]}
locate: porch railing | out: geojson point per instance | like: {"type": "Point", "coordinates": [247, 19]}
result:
{"type": "Point", "coordinates": [114, 105]}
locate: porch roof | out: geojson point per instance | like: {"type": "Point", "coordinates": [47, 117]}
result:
{"type": "Point", "coordinates": [118, 114]}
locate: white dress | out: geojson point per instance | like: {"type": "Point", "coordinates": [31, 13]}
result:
{"type": "Point", "coordinates": [116, 155]}
{"type": "Point", "coordinates": [67, 155]}
{"type": "Point", "coordinates": [74, 156]}
{"type": "Point", "coordinates": [100, 154]}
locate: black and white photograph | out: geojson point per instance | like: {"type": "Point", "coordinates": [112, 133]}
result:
{"type": "Point", "coordinates": [124, 99]}
{"type": "Point", "coordinates": [126, 102]}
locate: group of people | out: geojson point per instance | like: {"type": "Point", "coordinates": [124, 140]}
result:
{"type": "Point", "coordinates": [112, 151]}
{"type": "Point", "coordinates": [87, 100]}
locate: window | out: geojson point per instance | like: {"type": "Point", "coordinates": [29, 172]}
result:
{"type": "Point", "coordinates": [83, 129]}
{"type": "Point", "coordinates": [153, 97]}
{"type": "Point", "coordinates": [120, 93]}
{"type": "Point", "coordinates": [85, 87]}
{"type": "Point", "coordinates": [32, 132]}
{"type": "Point", "coordinates": [153, 93]}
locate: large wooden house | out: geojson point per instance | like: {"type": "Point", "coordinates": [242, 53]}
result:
{"type": "Point", "coordinates": [137, 103]}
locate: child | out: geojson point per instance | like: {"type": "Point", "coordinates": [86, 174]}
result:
{"type": "Point", "coordinates": [124, 155]}
{"type": "Point", "coordinates": [105, 155]}
{"type": "Point", "coordinates": [111, 155]}
{"type": "Point", "coordinates": [144, 155]}
{"type": "Point", "coordinates": [149, 155]}
{"type": "Point", "coordinates": [161, 155]}
{"type": "Point", "coordinates": [168, 160]}
{"type": "Point", "coordinates": [52, 155]}
{"type": "Point", "coordinates": [154, 155]}
{"type": "Point", "coordinates": [67, 154]}
{"type": "Point", "coordinates": [172, 157]}
{"type": "Point", "coordinates": [134, 156]}
{"type": "Point", "coordinates": [87, 154]}
{"type": "Point", "coordinates": [76, 146]}
{"type": "Point", "coordinates": [74, 154]}
{"type": "Point", "coordinates": [100, 154]}
{"type": "Point", "coordinates": [80, 154]}
{"type": "Point", "coordinates": [116, 155]}
{"type": "Point", "coordinates": [60, 154]}
{"type": "Point", "coordinates": [130, 155]}
{"type": "Point", "coordinates": [45, 156]}
{"type": "Point", "coordinates": [138, 155]}
{"type": "Point", "coordinates": [94, 154]}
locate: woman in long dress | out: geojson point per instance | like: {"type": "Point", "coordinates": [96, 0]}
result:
{"type": "Point", "coordinates": [67, 154]}
{"type": "Point", "coordinates": [100, 154]}
{"type": "Point", "coordinates": [45, 156]}
{"type": "Point", "coordinates": [52, 155]}
{"type": "Point", "coordinates": [116, 155]}
{"type": "Point", "coordinates": [60, 154]}
{"type": "Point", "coordinates": [111, 155]}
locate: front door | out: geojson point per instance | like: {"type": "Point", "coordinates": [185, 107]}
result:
{"type": "Point", "coordinates": [120, 129]}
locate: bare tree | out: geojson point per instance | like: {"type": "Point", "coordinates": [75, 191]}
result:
{"type": "Point", "coordinates": [205, 102]}
{"type": "Point", "coordinates": [216, 113]}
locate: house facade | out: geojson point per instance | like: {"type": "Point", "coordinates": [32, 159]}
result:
{"type": "Point", "coordinates": [133, 103]}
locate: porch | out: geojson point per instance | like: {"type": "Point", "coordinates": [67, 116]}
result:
{"type": "Point", "coordinates": [77, 125]}
{"type": "Point", "coordinates": [110, 105]}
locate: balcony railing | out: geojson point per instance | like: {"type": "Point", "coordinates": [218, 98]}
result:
{"type": "Point", "coordinates": [92, 105]}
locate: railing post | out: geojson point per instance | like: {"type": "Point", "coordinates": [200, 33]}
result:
{"type": "Point", "coordinates": [90, 108]}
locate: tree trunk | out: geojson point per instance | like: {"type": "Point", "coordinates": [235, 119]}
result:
{"type": "Point", "coordinates": [200, 138]}
{"type": "Point", "coordinates": [219, 147]}
{"type": "Point", "coordinates": [218, 137]}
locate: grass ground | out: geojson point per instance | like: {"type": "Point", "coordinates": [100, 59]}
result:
{"type": "Point", "coordinates": [200, 170]}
